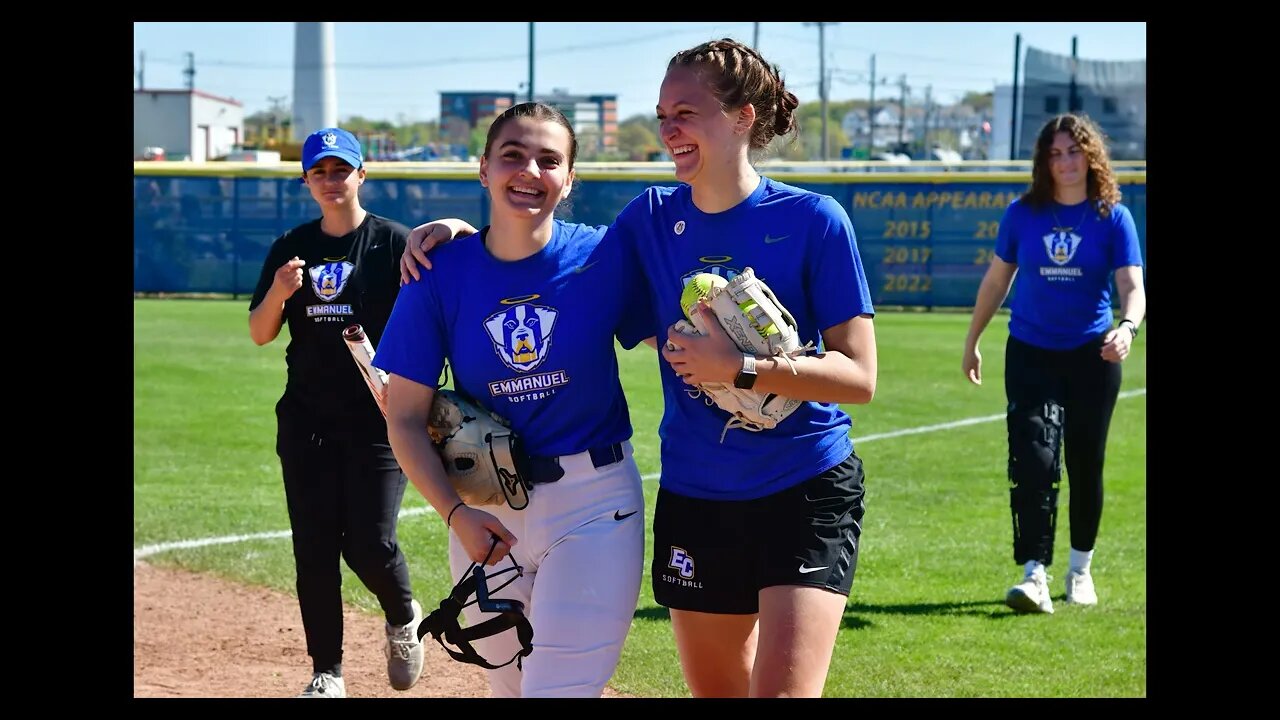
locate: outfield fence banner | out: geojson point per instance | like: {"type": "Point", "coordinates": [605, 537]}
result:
{"type": "Point", "coordinates": [925, 238]}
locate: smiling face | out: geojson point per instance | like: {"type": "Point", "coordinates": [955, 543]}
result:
{"type": "Point", "coordinates": [528, 167]}
{"type": "Point", "coordinates": [697, 133]}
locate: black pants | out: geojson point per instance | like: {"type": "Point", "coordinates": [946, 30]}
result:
{"type": "Point", "coordinates": [1060, 405]}
{"type": "Point", "coordinates": [344, 495]}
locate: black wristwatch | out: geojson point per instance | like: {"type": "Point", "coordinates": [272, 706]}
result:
{"type": "Point", "coordinates": [746, 378]}
{"type": "Point", "coordinates": [1133, 327]}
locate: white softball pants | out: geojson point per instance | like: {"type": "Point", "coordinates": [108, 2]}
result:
{"type": "Point", "coordinates": [581, 543]}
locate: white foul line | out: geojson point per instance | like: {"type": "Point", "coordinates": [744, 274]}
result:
{"type": "Point", "coordinates": [146, 550]}
{"type": "Point", "coordinates": [960, 423]}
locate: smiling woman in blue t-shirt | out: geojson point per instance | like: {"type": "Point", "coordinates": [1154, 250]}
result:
{"type": "Point", "coordinates": [1069, 233]}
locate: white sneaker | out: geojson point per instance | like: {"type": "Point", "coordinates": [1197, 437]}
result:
{"type": "Point", "coordinates": [1080, 588]}
{"type": "Point", "coordinates": [1030, 595]}
{"type": "Point", "coordinates": [325, 685]}
{"type": "Point", "coordinates": [404, 652]}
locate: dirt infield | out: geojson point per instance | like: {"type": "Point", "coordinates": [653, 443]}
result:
{"type": "Point", "coordinates": [251, 644]}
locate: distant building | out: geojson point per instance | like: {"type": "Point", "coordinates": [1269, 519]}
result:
{"type": "Point", "coordinates": [594, 117]}
{"type": "Point", "coordinates": [889, 129]}
{"type": "Point", "coordinates": [1112, 93]}
{"type": "Point", "coordinates": [188, 124]}
{"type": "Point", "coordinates": [461, 112]}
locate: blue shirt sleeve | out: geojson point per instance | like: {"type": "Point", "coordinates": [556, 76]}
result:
{"type": "Point", "coordinates": [413, 344]}
{"type": "Point", "coordinates": [836, 276]}
{"type": "Point", "coordinates": [636, 321]}
{"type": "Point", "coordinates": [1125, 250]}
{"type": "Point", "coordinates": [1006, 241]}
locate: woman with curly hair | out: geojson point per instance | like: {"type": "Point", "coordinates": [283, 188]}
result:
{"type": "Point", "coordinates": [1062, 359]}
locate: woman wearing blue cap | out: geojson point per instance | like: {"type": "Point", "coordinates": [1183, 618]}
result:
{"type": "Point", "coordinates": [342, 484]}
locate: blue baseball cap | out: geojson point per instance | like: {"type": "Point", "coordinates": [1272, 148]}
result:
{"type": "Point", "coordinates": [331, 142]}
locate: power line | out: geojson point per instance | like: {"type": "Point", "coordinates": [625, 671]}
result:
{"type": "Point", "coordinates": [860, 76]}
{"type": "Point", "coordinates": [946, 89]}
{"type": "Point", "coordinates": [921, 58]}
{"type": "Point", "coordinates": [408, 65]}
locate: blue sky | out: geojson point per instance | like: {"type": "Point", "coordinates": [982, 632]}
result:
{"type": "Point", "coordinates": [396, 71]}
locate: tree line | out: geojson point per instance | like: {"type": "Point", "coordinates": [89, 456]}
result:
{"type": "Point", "coordinates": [637, 137]}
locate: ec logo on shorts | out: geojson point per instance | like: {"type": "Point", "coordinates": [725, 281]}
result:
{"type": "Point", "coordinates": [681, 561]}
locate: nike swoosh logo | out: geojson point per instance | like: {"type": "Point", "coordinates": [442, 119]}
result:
{"type": "Point", "coordinates": [806, 570]}
{"type": "Point", "coordinates": [769, 239]}
{"type": "Point", "coordinates": [617, 514]}
{"type": "Point", "coordinates": [584, 268]}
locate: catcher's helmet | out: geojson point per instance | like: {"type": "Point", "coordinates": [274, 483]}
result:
{"type": "Point", "coordinates": [442, 623]}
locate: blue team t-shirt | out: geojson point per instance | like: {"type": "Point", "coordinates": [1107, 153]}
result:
{"type": "Point", "coordinates": [1066, 255]}
{"type": "Point", "coordinates": [533, 339]}
{"type": "Point", "coordinates": [802, 245]}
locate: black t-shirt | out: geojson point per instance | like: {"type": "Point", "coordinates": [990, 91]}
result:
{"type": "Point", "coordinates": [350, 279]}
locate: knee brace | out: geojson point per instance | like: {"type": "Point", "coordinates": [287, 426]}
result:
{"type": "Point", "coordinates": [1035, 445]}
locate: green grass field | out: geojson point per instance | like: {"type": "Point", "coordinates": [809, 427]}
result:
{"type": "Point", "coordinates": [926, 616]}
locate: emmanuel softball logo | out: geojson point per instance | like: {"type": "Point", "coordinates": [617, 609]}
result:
{"type": "Point", "coordinates": [521, 335]}
{"type": "Point", "coordinates": [1061, 246]}
{"type": "Point", "coordinates": [328, 280]}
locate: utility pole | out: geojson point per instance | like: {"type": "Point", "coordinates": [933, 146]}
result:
{"type": "Point", "coordinates": [928, 106]}
{"type": "Point", "coordinates": [902, 108]}
{"type": "Point", "coordinates": [1013, 116]}
{"type": "Point", "coordinates": [276, 101]}
{"type": "Point", "coordinates": [755, 36]}
{"type": "Point", "coordinates": [142, 69]}
{"type": "Point", "coordinates": [190, 72]}
{"type": "Point", "coordinates": [871, 110]}
{"type": "Point", "coordinates": [822, 78]}
{"type": "Point", "coordinates": [530, 62]}
{"type": "Point", "coordinates": [1073, 99]}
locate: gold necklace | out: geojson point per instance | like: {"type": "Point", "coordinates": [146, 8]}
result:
{"type": "Point", "coordinates": [1068, 228]}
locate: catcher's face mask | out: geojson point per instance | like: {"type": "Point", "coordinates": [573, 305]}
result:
{"type": "Point", "coordinates": [442, 623]}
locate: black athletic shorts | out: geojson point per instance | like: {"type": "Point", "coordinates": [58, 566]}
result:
{"type": "Point", "coordinates": [716, 555]}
